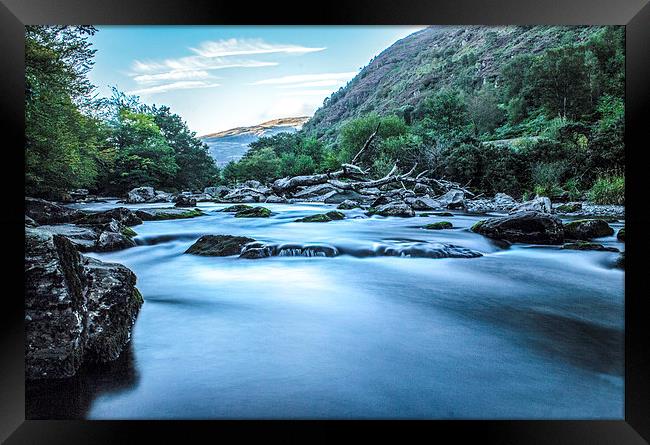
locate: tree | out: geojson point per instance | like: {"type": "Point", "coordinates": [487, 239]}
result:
{"type": "Point", "coordinates": [196, 168]}
{"type": "Point", "coordinates": [61, 142]}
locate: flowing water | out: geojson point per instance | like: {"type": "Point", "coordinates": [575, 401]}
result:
{"type": "Point", "coordinates": [520, 332]}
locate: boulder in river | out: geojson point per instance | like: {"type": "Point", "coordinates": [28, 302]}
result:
{"type": "Point", "coordinates": [586, 245]}
{"type": "Point", "coordinates": [167, 213]}
{"type": "Point", "coordinates": [46, 212]}
{"type": "Point", "coordinates": [253, 212]}
{"type": "Point", "coordinates": [139, 195]}
{"type": "Point", "coordinates": [453, 199]}
{"type": "Point", "coordinates": [323, 217]}
{"type": "Point", "coordinates": [236, 208]}
{"type": "Point", "coordinates": [394, 208]}
{"type": "Point", "coordinates": [621, 235]}
{"type": "Point", "coordinates": [121, 214]}
{"type": "Point", "coordinates": [275, 199]}
{"type": "Point", "coordinates": [586, 229]}
{"type": "Point", "coordinates": [540, 204]}
{"type": "Point", "coordinates": [348, 205]}
{"type": "Point", "coordinates": [440, 225]}
{"type": "Point", "coordinates": [219, 245]}
{"type": "Point", "coordinates": [569, 207]}
{"type": "Point", "coordinates": [74, 311]}
{"type": "Point", "coordinates": [423, 203]}
{"type": "Point", "coordinates": [185, 201]}
{"type": "Point", "coordinates": [523, 227]}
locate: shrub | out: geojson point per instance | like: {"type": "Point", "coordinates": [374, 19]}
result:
{"type": "Point", "coordinates": [608, 189]}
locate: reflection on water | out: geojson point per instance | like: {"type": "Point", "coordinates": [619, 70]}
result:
{"type": "Point", "coordinates": [521, 332]}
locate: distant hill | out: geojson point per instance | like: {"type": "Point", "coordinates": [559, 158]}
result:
{"type": "Point", "coordinates": [231, 145]}
{"type": "Point", "coordinates": [403, 75]}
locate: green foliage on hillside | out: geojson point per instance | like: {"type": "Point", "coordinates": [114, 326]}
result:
{"type": "Point", "coordinates": [109, 146]}
{"type": "Point", "coordinates": [520, 110]}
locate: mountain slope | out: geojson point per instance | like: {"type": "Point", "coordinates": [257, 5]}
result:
{"type": "Point", "coordinates": [422, 63]}
{"type": "Point", "coordinates": [231, 145]}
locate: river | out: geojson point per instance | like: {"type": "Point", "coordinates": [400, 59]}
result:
{"type": "Point", "coordinates": [527, 332]}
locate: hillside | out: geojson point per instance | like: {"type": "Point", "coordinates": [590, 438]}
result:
{"type": "Point", "coordinates": [231, 145]}
{"type": "Point", "coordinates": [417, 66]}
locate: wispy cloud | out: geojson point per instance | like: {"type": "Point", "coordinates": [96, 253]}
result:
{"type": "Point", "coordinates": [308, 78]}
{"type": "Point", "coordinates": [181, 85]}
{"type": "Point", "coordinates": [235, 47]}
{"type": "Point", "coordinates": [195, 71]}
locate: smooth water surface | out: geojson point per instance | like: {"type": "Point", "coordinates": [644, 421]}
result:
{"type": "Point", "coordinates": [521, 332]}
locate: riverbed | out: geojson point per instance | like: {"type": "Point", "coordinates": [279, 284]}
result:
{"type": "Point", "coordinates": [522, 332]}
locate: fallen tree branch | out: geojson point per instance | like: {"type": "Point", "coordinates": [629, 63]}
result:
{"type": "Point", "coordinates": [368, 141]}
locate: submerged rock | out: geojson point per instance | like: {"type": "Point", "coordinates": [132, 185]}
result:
{"type": "Point", "coordinates": [323, 217]}
{"type": "Point", "coordinates": [254, 212]}
{"type": "Point", "coordinates": [167, 213]}
{"type": "Point", "coordinates": [219, 245]}
{"type": "Point", "coordinates": [585, 245]}
{"type": "Point", "coordinates": [439, 225]}
{"type": "Point", "coordinates": [523, 227]}
{"type": "Point", "coordinates": [446, 214]}
{"type": "Point", "coordinates": [586, 229]}
{"type": "Point", "coordinates": [76, 309]}
{"type": "Point", "coordinates": [236, 208]}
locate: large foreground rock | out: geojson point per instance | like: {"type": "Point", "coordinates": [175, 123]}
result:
{"type": "Point", "coordinates": [586, 229]}
{"type": "Point", "coordinates": [76, 309]}
{"type": "Point", "coordinates": [523, 227]}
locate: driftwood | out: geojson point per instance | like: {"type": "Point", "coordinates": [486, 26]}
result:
{"type": "Point", "coordinates": [352, 177]}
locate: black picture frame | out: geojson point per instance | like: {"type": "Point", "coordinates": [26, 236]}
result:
{"type": "Point", "coordinates": [635, 14]}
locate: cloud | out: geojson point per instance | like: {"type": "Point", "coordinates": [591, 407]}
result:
{"type": "Point", "coordinates": [321, 93]}
{"type": "Point", "coordinates": [307, 78]}
{"type": "Point", "coordinates": [171, 75]}
{"type": "Point", "coordinates": [181, 85]}
{"type": "Point", "coordinates": [235, 47]}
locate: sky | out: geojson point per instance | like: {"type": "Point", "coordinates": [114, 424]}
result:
{"type": "Point", "coordinates": [221, 77]}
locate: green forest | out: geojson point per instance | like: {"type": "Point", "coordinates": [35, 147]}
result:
{"type": "Point", "coordinates": [549, 122]}
{"type": "Point", "coordinates": [109, 145]}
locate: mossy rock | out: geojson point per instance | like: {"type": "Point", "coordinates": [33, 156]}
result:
{"type": "Point", "coordinates": [236, 208]}
{"type": "Point", "coordinates": [166, 214]}
{"type": "Point", "coordinates": [621, 235]}
{"type": "Point", "coordinates": [445, 214]}
{"type": "Point", "coordinates": [137, 296]}
{"type": "Point", "coordinates": [477, 225]}
{"type": "Point", "coordinates": [439, 225]}
{"type": "Point", "coordinates": [219, 245]}
{"type": "Point", "coordinates": [323, 217]}
{"type": "Point", "coordinates": [586, 229]}
{"type": "Point", "coordinates": [585, 245]}
{"type": "Point", "coordinates": [128, 232]}
{"type": "Point", "coordinates": [253, 212]}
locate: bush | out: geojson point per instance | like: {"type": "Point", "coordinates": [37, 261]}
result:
{"type": "Point", "coordinates": [608, 189]}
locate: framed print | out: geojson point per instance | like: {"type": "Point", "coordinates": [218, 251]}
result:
{"type": "Point", "coordinates": [394, 218]}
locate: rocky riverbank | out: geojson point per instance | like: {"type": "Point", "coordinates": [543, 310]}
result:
{"type": "Point", "coordinates": [77, 309]}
